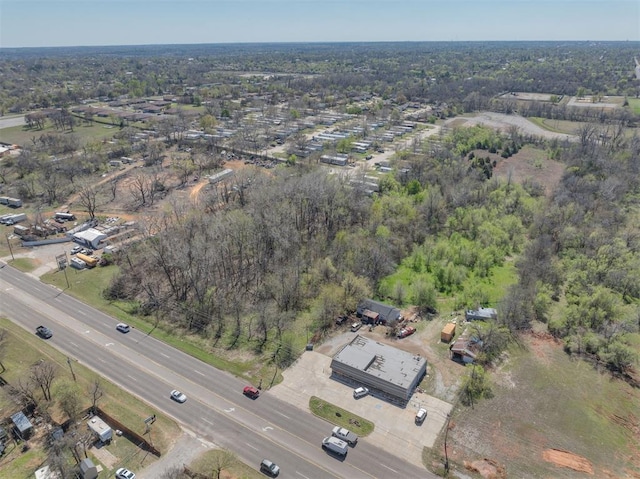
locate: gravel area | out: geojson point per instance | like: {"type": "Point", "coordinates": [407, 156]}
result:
{"type": "Point", "coordinates": [186, 448]}
{"type": "Point", "coordinates": [503, 121]}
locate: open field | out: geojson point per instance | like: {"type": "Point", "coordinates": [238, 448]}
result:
{"type": "Point", "coordinates": [23, 349]}
{"type": "Point", "coordinates": [20, 135]}
{"type": "Point", "coordinates": [565, 402]}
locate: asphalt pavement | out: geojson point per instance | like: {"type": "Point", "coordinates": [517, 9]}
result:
{"type": "Point", "coordinates": [216, 411]}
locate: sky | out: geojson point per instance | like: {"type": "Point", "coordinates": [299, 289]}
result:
{"type": "Point", "coordinates": [47, 23]}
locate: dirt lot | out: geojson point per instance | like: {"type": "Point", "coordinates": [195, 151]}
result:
{"type": "Point", "coordinates": [501, 121]}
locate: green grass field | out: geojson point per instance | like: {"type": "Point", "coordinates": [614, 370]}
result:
{"type": "Point", "coordinates": [634, 104]}
{"type": "Point", "coordinates": [340, 417]}
{"type": "Point", "coordinates": [20, 135]}
{"type": "Point", "coordinates": [543, 400]}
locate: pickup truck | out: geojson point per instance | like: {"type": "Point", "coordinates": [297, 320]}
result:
{"type": "Point", "coordinates": [346, 435]}
{"type": "Point", "coordinates": [44, 332]}
{"type": "Point", "coordinates": [408, 331]}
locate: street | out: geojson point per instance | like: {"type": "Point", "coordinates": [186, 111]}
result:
{"type": "Point", "coordinates": [216, 409]}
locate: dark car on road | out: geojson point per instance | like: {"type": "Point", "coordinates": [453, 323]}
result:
{"type": "Point", "coordinates": [44, 332]}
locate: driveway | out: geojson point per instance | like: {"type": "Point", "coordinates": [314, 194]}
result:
{"type": "Point", "coordinates": [394, 426]}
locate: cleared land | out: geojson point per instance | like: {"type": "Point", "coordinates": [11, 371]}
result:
{"type": "Point", "coordinates": [542, 419]}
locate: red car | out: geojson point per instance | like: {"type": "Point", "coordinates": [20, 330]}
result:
{"type": "Point", "coordinates": [251, 392]}
{"type": "Point", "coordinates": [408, 331]}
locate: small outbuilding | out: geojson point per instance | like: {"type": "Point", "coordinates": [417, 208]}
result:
{"type": "Point", "coordinates": [88, 469]}
{"type": "Point", "coordinates": [22, 425]}
{"type": "Point", "coordinates": [448, 332]}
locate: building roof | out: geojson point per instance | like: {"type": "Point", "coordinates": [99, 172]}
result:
{"type": "Point", "coordinates": [91, 235]}
{"type": "Point", "coordinates": [22, 423]}
{"type": "Point", "coordinates": [388, 313]}
{"type": "Point", "coordinates": [449, 328]}
{"type": "Point", "coordinates": [481, 313]}
{"type": "Point", "coordinates": [381, 361]}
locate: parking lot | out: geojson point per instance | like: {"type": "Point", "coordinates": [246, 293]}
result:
{"type": "Point", "coordinates": [394, 426]}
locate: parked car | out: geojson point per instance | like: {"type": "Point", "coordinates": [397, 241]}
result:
{"type": "Point", "coordinates": [270, 468]}
{"type": "Point", "coordinates": [341, 320]}
{"type": "Point", "coordinates": [408, 331]}
{"type": "Point", "coordinates": [360, 392]}
{"type": "Point", "coordinates": [44, 332]}
{"type": "Point", "coordinates": [178, 396]}
{"type": "Point", "coordinates": [356, 326]}
{"type": "Point", "coordinates": [76, 249]}
{"type": "Point", "coordinates": [123, 328]}
{"type": "Point", "coordinates": [421, 415]}
{"type": "Point", "coordinates": [251, 392]}
{"type": "Point", "coordinates": [123, 473]}
{"type": "Point", "coordinates": [346, 435]}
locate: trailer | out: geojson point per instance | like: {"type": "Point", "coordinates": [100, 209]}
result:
{"type": "Point", "coordinates": [13, 219]}
{"type": "Point", "coordinates": [15, 202]}
{"type": "Point", "coordinates": [100, 428]}
{"type": "Point", "coordinates": [62, 216]}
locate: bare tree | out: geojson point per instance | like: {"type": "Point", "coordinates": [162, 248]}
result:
{"type": "Point", "coordinates": [113, 186]}
{"type": "Point", "coordinates": [95, 392]}
{"type": "Point", "coordinates": [222, 460]}
{"type": "Point", "coordinates": [140, 189]}
{"type": "Point", "coordinates": [42, 374]}
{"type": "Point", "coordinates": [87, 196]}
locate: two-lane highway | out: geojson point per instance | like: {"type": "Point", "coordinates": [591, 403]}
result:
{"type": "Point", "coordinates": [216, 409]}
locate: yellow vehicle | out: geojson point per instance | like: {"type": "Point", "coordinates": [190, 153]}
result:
{"type": "Point", "coordinates": [91, 261]}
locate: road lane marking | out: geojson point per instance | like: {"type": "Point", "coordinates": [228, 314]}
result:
{"type": "Point", "coordinates": [198, 372]}
{"type": "Point", "coordinates": [109, 344]}
{"type": "Point", "coordinates": [252, 447]}
{"type": "Point", "coordinates": [207, 421]}
{"type": "Point", "coordinates": [166, 356]}
{"type": "Point", "coordinates": [231, 409]}
{"type": "Point", "coordinates": [73, 344]}
{"type": "Point", "coordinates": [301, 475]}
{"type": "Point", "coordinates": [283, 415]}
{"type": "Point", "coordinates": [392, 470]}
{"type": "Point", "coordinates": [129, 376]}
{"type": "Point", "coordinates": [267, 428]}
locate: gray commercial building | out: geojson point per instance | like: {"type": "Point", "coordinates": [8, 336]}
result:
{"type": "Point", "coordinates": [380, 367]}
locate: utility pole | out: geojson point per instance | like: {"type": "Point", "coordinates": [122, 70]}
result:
{"type": "Point", "coordinates": [10, 249]}
{"type": "Point", "coordinates": [446, 455]}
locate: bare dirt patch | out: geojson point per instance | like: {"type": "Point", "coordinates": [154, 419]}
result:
{"type": "Point", "coordinates": [487, 468]}
{"type": "Point", "coordinates": [531, 164]}
{"type": "Point", "coordinates": [568, 459]}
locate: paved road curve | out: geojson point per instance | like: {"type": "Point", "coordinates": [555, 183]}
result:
{"type": "Point", "coordinates": [216, 409]}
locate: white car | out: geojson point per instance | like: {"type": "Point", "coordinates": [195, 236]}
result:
{"type": "Point", "coordinates": [123, 328]}
{"type": "Point", "coordinates": [123, 473]}
{"type": "Point", "coordinates": [178, 396]}
{"type": "Point", "coordinates": [421, 415]}
{"type": "Point", "coordinates": [360, 392]}
{"type": "Point", "coordinates": [76, 249]}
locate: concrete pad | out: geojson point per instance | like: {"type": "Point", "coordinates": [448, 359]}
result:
{"type": "Point", "coordinates": [394, 426]}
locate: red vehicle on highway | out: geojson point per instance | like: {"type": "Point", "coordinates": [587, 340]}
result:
{"type": "Point", "coordinates": [251, 392]}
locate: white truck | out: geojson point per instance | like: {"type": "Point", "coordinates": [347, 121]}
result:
{"type": "Point", "coordinates": [346, 435]}
{"type": "Point", "coordinates": [335, 445]}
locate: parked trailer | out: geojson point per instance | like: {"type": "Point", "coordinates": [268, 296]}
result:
{"type": "Point", "coordinates": [13, 219]}
{"type": "Point", "coordinates": [90, 261]}
{"type": "Point", "coordinates": [15, 202]}
{"type": "Point", "coordinates": [65, 216]}
{"type": "Point", "coordinates": [4, 200]}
